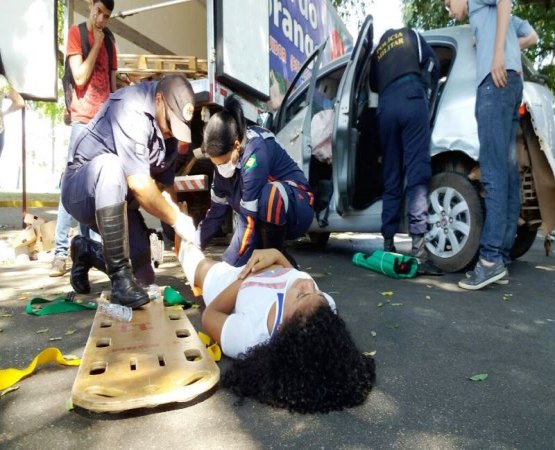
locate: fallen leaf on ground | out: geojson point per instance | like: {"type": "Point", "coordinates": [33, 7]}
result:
{"type": "Point", "coordinates": [69, 404]}
{"type": "Point", "coordinates": [396, 304]}
{"type": "Point", "coordinates": [428, 297]}
{"type": "Point", "coordinates": [393, 327]}
{"type": "Point", "coordinates": [379, 305]}
{"type": "Point", "coordinates": [6, 315]}
{"type": "Point", "coordinates": [43, 330]}
{"type": "Point", "coordinates": [372, 353]}
{"type": "Point", "coordinates": [478, 377]}
{"type": "Point", "coordinates": [58, 338]}
{"type": "Point", "coordinates": [8, 390]}
{"type": "Point", "coordinates": [70, 332]}
{"type": "Point", "coordinates": [195, 306]}
{"type": "Point", "coordinates": [373, 333]}
{"type": "Point", "coordinates": [71, 357]}
{"type": "Point", "coordinates": [387, 293]}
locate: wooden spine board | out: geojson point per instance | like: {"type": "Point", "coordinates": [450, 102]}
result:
{"type": "Point", "coordinates": [143, 363]}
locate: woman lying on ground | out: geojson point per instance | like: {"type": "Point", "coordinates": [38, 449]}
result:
{"type": "Point", "coordinates": [292, 350]}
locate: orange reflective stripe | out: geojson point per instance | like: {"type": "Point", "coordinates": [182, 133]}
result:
{"type": "Point", "coordinates": [270, 202]}
{"type": "Point", "coordinates": [278, 210]}
{"type": "Point", "coordinates": [247, 235]}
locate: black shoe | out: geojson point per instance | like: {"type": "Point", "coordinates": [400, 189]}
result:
{"type": "Point", "coordinates": [85, 253]}
{"type": "Point", "coordinates": [388, 245]}
{"type": "Point", "coordinates": [273, 236]}
{"type": "Point", "coordinates": [425, 266]}
{"type": "Point", "coordinates": [112, 223]}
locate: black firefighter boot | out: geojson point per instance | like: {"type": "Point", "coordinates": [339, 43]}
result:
{"type": "Point", "coordinates": [112, 223]}
{"type": "Point", "coordinates": [273, 236]}
{"type": "Point", "coordinates": [425, 266]}
{"type": "Point", "coordinates": [85, 253]}
{"type": "Point", "coordinates": [388, 245]}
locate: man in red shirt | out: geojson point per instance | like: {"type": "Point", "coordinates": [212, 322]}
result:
{"type": "Point", "coordinates": [95, 79]}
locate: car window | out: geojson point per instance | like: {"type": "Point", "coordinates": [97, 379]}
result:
{"type": "Point", "coordinates": [299, 101]}
{"type": "Point", "coordinates": [446, 56]}
{"type": "Point", "coordinates": [326, 90]}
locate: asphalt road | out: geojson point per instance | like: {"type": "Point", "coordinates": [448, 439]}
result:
{"type": "Point", "coordinates": [429, 339]}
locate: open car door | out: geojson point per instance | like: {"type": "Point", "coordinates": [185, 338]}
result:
{"type": "Point", "coordinates": [345, 135]}
{"type": "Point", "coordinates": [306, 72]}
{"type": "Point", "coordinates": [295, 111]}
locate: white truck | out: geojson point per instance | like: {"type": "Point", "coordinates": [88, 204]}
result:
{"type": "Point", "coordinates": [253, 48]}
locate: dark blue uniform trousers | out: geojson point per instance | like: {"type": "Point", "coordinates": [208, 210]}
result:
{"type": "Point", "coordinates": [99, 183]}
{"type": "Point", "coordinates": [295, 213]}
{"type": "Point", "coordinates": [405, 142]}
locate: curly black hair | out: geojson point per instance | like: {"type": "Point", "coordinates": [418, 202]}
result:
{"type": "Point", "coordinates": [311, 365]}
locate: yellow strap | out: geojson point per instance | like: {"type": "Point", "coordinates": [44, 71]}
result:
{"type": "Point", "coordinates": [213, 349]}
{"type": "Point", "coordinates": [8, 377]}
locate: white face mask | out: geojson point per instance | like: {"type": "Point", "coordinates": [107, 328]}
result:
{"type": "Point", "coordinates": [226, 170]}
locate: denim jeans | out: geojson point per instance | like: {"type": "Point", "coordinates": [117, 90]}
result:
{"type": "Point", "coordinates": [64, 218]}
{"type": "Point", "coordinates": [497, 117]}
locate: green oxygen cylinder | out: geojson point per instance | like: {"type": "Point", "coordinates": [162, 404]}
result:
{"type": "Point", "coordinates": [393, 265]}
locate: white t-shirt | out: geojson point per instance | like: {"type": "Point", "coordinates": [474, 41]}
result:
{"type": "Point", "coordinates": [247, 325]}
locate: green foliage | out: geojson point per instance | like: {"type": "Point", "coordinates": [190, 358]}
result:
{"type": "Point", "coordinates": [55, 110]}
{"type": "Point", "coordinates": [352, 10]}
{"type": "Point", "coordinates": [423, 14]}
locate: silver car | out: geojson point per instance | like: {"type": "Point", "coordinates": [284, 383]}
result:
{"type": "Point", "coordinates": [348, 191]}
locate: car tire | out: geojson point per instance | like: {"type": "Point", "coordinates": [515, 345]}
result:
{"type": "Point", "coordinates": [319, 238]}
{"type": "Point", "coordinates": [455, 221]}
{"type": "Point", "coordinates": [525, 238]}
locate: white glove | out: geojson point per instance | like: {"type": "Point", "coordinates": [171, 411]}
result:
{"type": "Point", "coordinates": [184, 227]}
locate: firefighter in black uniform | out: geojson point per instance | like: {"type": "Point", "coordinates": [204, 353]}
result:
{"type": "Point", "coordinates": [403, 69]}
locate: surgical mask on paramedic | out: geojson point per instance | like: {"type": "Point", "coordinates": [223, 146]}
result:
{"type": "Point", "coordinates": [226, 170]}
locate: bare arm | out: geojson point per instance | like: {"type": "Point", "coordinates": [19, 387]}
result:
{"type": "Point", "coordinates": [262, 259]}
{"type": "Point", "coordinates": [17, 101]}
{"type": "Point", "coordinates": [498, 69]}
{"type": "Point", "coordinates": [528, 41]}
{"type": "Point", "coordinates": [217, 312]}
{"type": "Point", "coordinates": [150, 198]}
{"type": "Point", "coordinates": [82, 70]}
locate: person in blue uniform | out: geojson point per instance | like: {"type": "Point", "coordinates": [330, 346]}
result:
{"type": "Point", "coordinates": [121, 163]}
{"type": "Point", "coordinates": [256, 178]}
{"type": "Point", "coordinates": [403, 68]}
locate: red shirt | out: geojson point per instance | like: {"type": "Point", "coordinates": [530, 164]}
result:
{"type": "Point", "coordinates": [87, 100]}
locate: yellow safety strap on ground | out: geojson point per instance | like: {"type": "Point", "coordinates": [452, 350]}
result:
{"type": "Point", "coordinates": [213, 350]}
{"type": "Point", "coordinates": [8, 377]}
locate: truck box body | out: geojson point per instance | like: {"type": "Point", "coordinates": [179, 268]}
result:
{"type": "Point", "coordinates": [251, 47]}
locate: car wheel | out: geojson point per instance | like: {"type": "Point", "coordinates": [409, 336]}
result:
{"type": "Point", "coordinates": [525, 238]}
{"type": "Point", "coordinates": [454, 222]}
{"type": "Point", "coordinates": [319, 238]}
